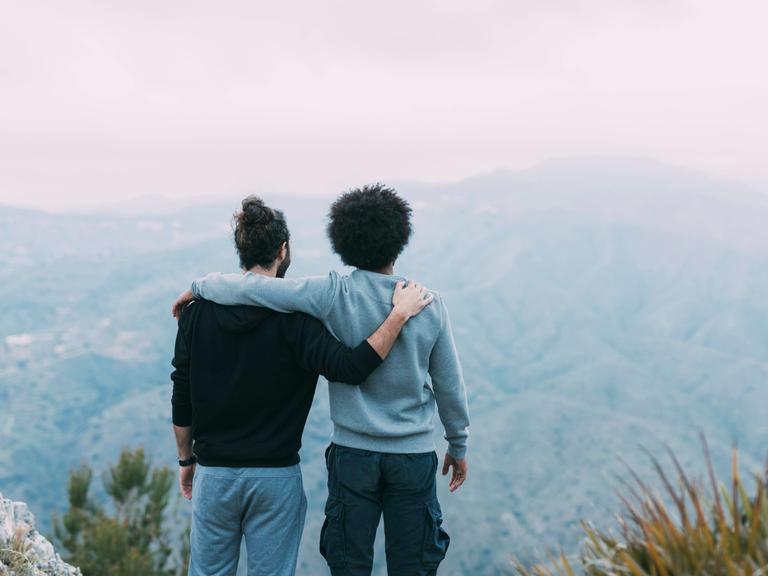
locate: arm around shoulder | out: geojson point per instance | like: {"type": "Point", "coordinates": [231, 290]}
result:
{"type": "Point", "coordinates": [321, 352]}
{"type": "Point", "coordinates": [313, 295]}
{"type": "Point", "coordinates": [318, 351]}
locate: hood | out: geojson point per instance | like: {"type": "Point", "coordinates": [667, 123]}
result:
{"type": "Point", "coordinates": [239, 319]}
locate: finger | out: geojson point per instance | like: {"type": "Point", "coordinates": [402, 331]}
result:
{"type": "Point", "coordinates": [458, 478]}
{"type": "Point", "coordinates": [400, 284]}
{"type": "Point", "coordinates": [428, 298]}
{"type": "Point", "coordinates": [446, 466]}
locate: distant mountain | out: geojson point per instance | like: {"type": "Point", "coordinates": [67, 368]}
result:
{"type": "Point", "coordinates": [598, 305]}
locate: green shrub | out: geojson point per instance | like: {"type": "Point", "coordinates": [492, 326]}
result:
{"type": "Point", "coordinates": [690, 528]}
{"type": "Point", "coordinates": [133, 540]}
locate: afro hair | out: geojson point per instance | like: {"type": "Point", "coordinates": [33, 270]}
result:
{"type": "Point", "coordinates": [369, 227]}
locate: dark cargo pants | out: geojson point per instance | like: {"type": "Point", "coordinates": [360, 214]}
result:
{"type": "Point", "coordinates": [361, 486]}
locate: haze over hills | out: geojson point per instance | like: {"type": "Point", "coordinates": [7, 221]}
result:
{"type": "Point", "coordinates": [597, 305]}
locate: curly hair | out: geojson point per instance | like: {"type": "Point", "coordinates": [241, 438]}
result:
{"type": "Point", "coordinates": [259, 232]}
{"type": "Point", "coordinates": [369, 227]}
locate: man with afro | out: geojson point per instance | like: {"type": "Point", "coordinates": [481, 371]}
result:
{"type": "Point", "coordinates": [382, 459]}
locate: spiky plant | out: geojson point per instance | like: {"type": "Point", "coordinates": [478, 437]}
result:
{"type": "Point", "coordinates": [690, 528]}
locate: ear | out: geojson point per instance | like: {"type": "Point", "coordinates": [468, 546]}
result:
{"type": "Point", "coordinates": [283, 251]}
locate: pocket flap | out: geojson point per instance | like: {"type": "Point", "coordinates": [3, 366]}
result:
{"type": "Point", "coordinates": [333, 509]}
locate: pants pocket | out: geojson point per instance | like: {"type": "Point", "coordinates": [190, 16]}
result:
{"type": "Point", "coordinates": [436, 540]}
{"type": "Point", "coordinates": [333, 542]}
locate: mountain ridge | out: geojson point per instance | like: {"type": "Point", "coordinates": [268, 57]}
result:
{"type": "Point", "coordinates": [583, 333]}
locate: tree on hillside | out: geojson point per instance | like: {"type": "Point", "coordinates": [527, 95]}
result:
{"type": "Point", "coordinates": [131, 537]}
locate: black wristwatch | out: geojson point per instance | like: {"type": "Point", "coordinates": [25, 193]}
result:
{"type": "Point", "coordinates": [188, 462]}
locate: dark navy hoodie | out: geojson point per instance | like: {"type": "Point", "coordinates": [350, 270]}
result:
{"type": "Point", "coordinates": [244, 378]}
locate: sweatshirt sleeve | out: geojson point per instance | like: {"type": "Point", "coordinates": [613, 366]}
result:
{"type": "Point", "coordinates": [448, 385]}
{"type": "Point", "coordinates": [181, 400]}
{"type": "Point", "coordinates": [312, 295]}
{"type": "Point", "coordinates": [318, 351]}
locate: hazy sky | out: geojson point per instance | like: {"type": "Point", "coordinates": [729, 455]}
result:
{"type": "Point", "coordinates": [102, 100]}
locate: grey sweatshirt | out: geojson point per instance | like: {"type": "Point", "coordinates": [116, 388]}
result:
{"type": "Point", "coordinates": [393, 411]}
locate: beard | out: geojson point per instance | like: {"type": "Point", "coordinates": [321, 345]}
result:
{"type": "Point", "coordinates": [285, 264]}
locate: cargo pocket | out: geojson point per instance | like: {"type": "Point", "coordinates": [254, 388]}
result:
{"type": "Point", "coordinates": [436, 540]}
{"type": "Point", "coordinates": [333, 545]}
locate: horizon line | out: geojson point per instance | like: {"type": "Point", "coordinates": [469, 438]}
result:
{"type": "Point", "coordinates": [113, 207]}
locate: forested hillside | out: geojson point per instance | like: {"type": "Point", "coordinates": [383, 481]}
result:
{"type": "Point", "coordinates": [597, 305]}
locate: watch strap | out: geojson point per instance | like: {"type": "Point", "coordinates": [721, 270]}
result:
{"type": "Point", "coordinates": [188, 462]}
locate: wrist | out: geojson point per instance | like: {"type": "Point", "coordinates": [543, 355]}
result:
{"type": "Point", "coordinates": [400, 315]}
{"type": "Point", "coordinates": [457, 452]}
{"type": "Point", "coordinates": [185, 452]}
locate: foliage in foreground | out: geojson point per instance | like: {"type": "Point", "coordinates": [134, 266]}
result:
{"type": "Point", "coordinates": [133, 539]}
{"type": "Point", "coordinates": [691, 528]}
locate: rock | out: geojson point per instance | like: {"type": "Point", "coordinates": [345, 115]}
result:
{"type": "Point", "coordinates": [23, 550]}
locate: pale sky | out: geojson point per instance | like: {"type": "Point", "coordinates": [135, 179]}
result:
{"type": "Point", "coordinates": [103, 100]}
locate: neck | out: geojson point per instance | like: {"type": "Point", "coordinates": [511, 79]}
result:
{"type": "Point", "coordinates": [272, 271]}
{"type": "Point", "coordinates": [388, 270]}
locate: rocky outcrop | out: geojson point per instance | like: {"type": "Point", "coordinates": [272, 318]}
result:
{"type": "Point", "coordinates": [23, 550]}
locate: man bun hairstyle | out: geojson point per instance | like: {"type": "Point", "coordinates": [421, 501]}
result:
{"type": "Point", "coordinates": [259, 232]}
{"type": "Point", "coordinates": [369, 227]}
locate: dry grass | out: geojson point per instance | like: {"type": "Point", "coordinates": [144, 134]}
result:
{"type": "Point", "coordinates": [689, 528]}
{"type": "Point", "coordinates": [17, 557]}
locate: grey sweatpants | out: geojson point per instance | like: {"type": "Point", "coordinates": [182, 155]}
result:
{"type": "Point", "coordinates": [266, 505]}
